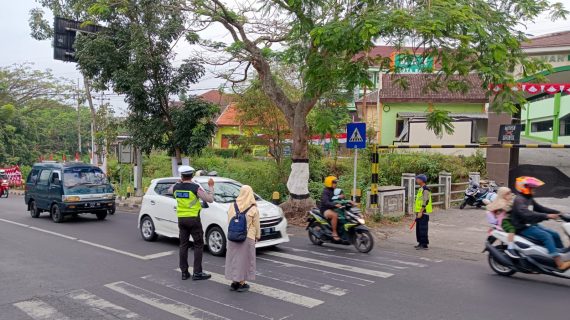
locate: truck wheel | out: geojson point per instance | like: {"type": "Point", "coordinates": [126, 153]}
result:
{"type": "Point", "coordinates": [101, 215]}
{"type": "Point", "coordinates": [33, 208]}
{"type": "Point", "coordinates": [56, 214]}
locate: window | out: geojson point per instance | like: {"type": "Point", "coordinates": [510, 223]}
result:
{"type": "Point", "coordinates": [83, 176]}
{"type": "Point", "coordinates": [523, 127]}
{"type": "Point", "coordinates": [44, 177]}
{"type": "Point", "coordinates": [399, 127]}
{"type": "Point", "coordinates": [162, 188]}
{"type": "Point", "coordinates": [226, 192]}
{"type": "Point", "coordinates": [541, 126]}
{"type": "Point", "coordinates": [33, 177]}
{"type": "Point", "coordinates": [565, 127]}
{"type": "Point", "coordinates": [54, 176]}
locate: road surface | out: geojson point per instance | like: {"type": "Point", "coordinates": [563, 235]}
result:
{"type": "Point", "coordinates": [89, 269]}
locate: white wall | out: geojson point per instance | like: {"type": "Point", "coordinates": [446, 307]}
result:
{"type": "Point", "coordinates": [419, 134]}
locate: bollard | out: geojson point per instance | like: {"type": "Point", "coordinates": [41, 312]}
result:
{"type": "Point", "coordinates": [275, 197]}
{"type": "Point", "coordinates": [129, 191]}
{"type": "Point", "coordinates": [357, 197]}
{"type": "Point", "coordinates": [374, 158]}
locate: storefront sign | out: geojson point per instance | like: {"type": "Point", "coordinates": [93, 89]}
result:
{"type": "Point", "coordinates": [411, 63]}
{"type": "Point", "coordinates": [510, 133]}
{"type": "Point", "coordinates": [554, 58]}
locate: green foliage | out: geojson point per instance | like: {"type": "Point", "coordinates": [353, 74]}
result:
{"type": "Point", "coordinates": [438, 121]}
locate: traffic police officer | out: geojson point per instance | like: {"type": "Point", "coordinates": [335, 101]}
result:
{"type": "Point", "coordinates": [188, 195]}
{"type": "Point", "coordinates": [422, 208]}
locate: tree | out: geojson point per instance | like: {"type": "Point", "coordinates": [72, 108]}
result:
{"type": "Point", "coordinates": [256, 109]}
{"type": "Point", "coordinates": [329, 117]}
{"type": "Point", "coordinates": [322, 38]}
{"type": "Point", "coordinates": [134, 56]}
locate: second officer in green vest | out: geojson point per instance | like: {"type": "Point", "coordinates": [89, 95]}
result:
{"type": "Point", "coordinates": [188, 195]}
{"type": "Point", "coordinates": [423, 208]}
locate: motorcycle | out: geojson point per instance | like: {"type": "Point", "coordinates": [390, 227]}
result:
{"type": "Point", "coordinates": [476, 196]}
{"type": "Point", "coordinates": [352, 231]}
{"type": "Point", "coordinates": [4, 185]}
{"type": "Point", "coordinates": [534, 258]}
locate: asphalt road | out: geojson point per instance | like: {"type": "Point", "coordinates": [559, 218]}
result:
{"type": "Point", "coordinates": [89, 269]}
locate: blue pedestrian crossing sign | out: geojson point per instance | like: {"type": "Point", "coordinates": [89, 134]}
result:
{"type": "Point", "coordinates": [356, 135]}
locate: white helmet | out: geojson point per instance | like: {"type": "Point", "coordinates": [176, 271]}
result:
{"type": "Point", "coordinates": [186, 170]}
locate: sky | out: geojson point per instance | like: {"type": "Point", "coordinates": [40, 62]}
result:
{"type": "Point", "coordinates": [19, 47]}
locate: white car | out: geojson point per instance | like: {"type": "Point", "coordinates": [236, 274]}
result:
{"type": "Point", "coordinates": [158, 214]}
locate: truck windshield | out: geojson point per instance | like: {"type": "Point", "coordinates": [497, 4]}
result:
{"type": "Point", "coordinates": [86, 180]}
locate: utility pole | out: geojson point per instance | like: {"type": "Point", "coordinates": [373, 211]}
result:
{"type": "Point", "coordinates": [78, 118]}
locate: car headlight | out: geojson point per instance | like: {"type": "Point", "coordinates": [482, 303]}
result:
{"type": "Point", "coordinates": [71, 198]}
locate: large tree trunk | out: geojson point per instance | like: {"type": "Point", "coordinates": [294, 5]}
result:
{"type": "Point", "coordinates": [298, 184]}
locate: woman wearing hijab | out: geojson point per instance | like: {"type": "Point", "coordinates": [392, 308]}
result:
{"type": "Point", "coordinates": [498, 213]}
{"type": "Point", "coordinates": [240, 256]}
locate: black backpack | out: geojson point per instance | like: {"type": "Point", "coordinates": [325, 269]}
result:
{"type": "Point", "coordinates": [237, 228]}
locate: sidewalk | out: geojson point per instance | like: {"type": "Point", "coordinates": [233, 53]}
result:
{"type": "Point", "coordinates": [456, 233]}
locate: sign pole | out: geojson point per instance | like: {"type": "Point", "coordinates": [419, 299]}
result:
{"type": "Point", "coordinates": [354, 180]}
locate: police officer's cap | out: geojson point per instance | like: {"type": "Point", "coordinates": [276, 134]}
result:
{"type": "Point", "coordinates": [186, 170]}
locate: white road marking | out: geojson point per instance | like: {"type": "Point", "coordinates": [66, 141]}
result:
{"type": "Point", "coordinates": [178, 308]}
{"type": "Point", "coordinates": [61, 235]}
{"type": "Point", "coordinates": [304, 283]}
{"type": "Point", "coordinates": [158, 255]}
{"type": "Point", "coordinates": [274, 293]}
{"type": "Point", "coordinates": [332, 265]}
{"type": "Point", "coordinates": [39, 310]}
{"type": "Point", "coordinates": [347, 258]}
{"type": "Point", "coordinates": [15, 223]}
{"type": "Point", "coordinates": [175, 286]}
{"type": "Point", "coordinates": [332, 275]}
{"type": "Point", "coordinates": [53, 233]}
{"type": "Point", "coordinates": [112, 249]}
{"type": "Point", "coordinates": [96, 303]}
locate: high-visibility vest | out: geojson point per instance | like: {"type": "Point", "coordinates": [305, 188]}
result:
{"type": "Point", "coordinates": [188, 203]}
{"type": "Point", "coordinates": [420, 201]}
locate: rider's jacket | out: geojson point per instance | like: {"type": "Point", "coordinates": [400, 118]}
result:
{"type": "Point", "coordinates": [327, 200]}
{"type": "Point", "coordinates": [522, 216]}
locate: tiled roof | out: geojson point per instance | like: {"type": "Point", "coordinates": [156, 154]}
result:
{"type": "Point", "coordinates": [392, 91]}
{"type": "Point", "coordinates": [216, 97]}
{"type": "Point", "coordinates": [558, 39]}
{"type": "Point", "coordinates": [229, 117]}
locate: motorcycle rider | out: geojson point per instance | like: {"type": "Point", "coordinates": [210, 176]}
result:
{"type": "Point", "coordinates": [526, 221]}
{"type": "Point", "coordinates": [328, 205]}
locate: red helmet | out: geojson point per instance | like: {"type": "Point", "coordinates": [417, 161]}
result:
{"type": "Point", "coordinates": [524, 185]}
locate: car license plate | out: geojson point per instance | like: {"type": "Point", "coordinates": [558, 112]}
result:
{"type": "Point", "coordinates": [267, 231]}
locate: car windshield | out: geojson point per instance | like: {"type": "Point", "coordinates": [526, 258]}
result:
{"type": "Point", "coordinates": [226, 192]}
{"type": "Point", "coordinates": [85, 180]}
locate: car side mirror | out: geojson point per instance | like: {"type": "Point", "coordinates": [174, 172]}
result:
{"type": "Point", "coordinates": [204, 204]}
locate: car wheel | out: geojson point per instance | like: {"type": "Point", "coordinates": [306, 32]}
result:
{"type": "Point", "coordinates": [56, 214]}
{"type": "Point", "coordinates": [101, 215]}
{"type": "Point", "coordinates": [111, 211]}
{"type": "Point", "coordinates": [33, 208]}
{"type": "Point", "coordinates": [216, 241]}
{"type": "Point", "coordinates": [147, 229]}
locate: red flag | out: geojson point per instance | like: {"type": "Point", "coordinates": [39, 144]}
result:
{"type": "Point", "coordinates": [51, 157]}
{"type": "Point", "coordinates": [64, 158]}
{"type": "Point", "coordinates": [77, 156]}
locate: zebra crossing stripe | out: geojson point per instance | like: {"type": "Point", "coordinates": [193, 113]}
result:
{"type": "Point", "coordinates": [96, 303]}
{"type": "Point", "coordinates": [39, 310]}
{"type": "Point", "coordinates": [374, 273]}
{"type": "Point", "coordinates": [274, 293]}
{"type": "Point", "coordinates": [174, 307]}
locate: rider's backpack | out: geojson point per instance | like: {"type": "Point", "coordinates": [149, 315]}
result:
{"type": "Point", "coordinates": [237, 229]}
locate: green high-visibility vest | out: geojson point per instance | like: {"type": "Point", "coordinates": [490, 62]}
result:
{"type": "Point", "coordinates": [188, 203]}
{"type": "Point", "coordinates": [420, 201]}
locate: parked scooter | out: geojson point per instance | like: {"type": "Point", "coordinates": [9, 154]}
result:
{"type": "Point", "coordinates": [4, 184]}
{"type": "Point", "coordinates": [352, 231]}
{"type": "Point", "coordinates": [534, 258]}
{"type": "Point", "coordinates": [476, 196]}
